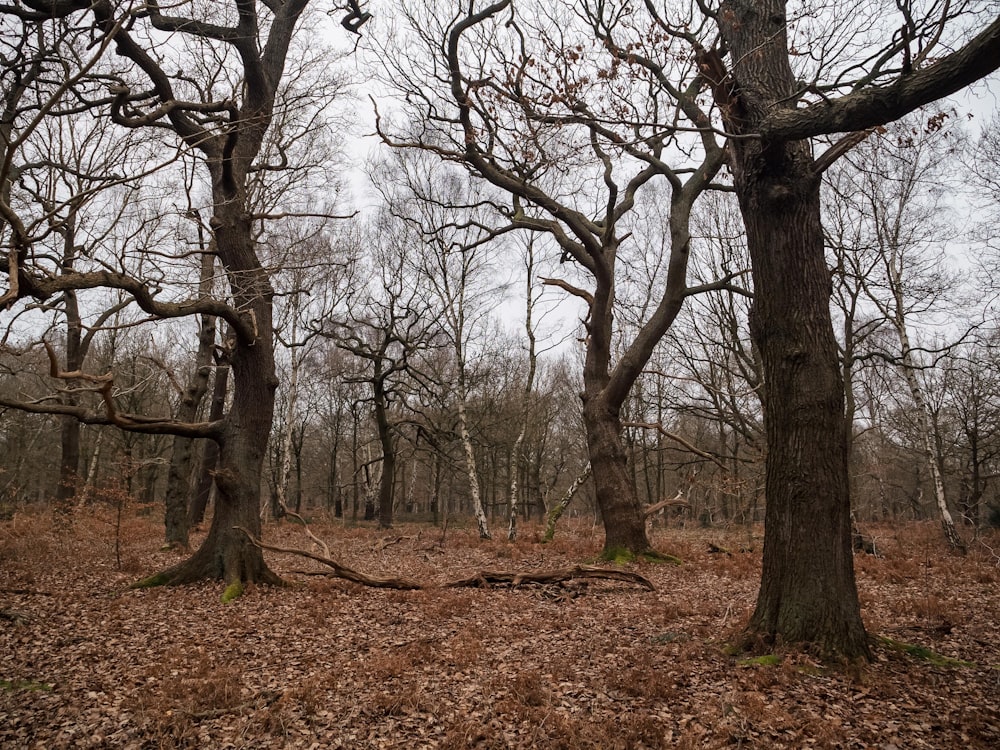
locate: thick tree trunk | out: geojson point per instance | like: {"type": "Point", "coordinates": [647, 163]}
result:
{"type": "Point", "coordinates": [226, 553]}
{"type": "Point", "coordinates": [808, 591]}
{"type": "Point", "coordinates": [617, 499]}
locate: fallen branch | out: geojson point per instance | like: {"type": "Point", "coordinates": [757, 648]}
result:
{"type": "Point", "coordinates": [492, 577]}
{"type": "Point", "coordinates": [340, 571]}
{"type": "Point", "coordinates": [481, 579]}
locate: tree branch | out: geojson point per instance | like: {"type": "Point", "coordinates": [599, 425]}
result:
{"type": "Point", "coordinates": [878, 105]}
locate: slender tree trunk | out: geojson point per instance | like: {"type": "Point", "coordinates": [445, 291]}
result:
{"type": "Point", "coordinates": [529, 385]}
{"type": "Point", "coordinates": [559, 508]}
{"type": "Point", "coordinates": [920, 413]}
{"type": "Point", "coordinates": [385, 488]}
{"type": "Point", "coordinates": [210, 454]}
{"type": "Point", "coordinates": [95, 461]}
{"type": "Point", "coordinates": [284, 470]}
{"type": "Point", "coordinates": [470, 468]}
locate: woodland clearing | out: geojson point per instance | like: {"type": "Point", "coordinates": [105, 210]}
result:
{"type": "Point", "coordinates": [86, 662]}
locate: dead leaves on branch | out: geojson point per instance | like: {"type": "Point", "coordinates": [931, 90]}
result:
{"type": "Point", "coordinates": [481, 579]}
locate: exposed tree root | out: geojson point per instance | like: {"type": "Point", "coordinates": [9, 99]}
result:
{"type": "Point", "coordinates": [482, 579]}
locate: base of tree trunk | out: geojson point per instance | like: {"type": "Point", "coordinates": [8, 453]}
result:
{"type": "Point", "coordinates": [955, 541]}
{"type": "Point", "coordinates": [240, 562]}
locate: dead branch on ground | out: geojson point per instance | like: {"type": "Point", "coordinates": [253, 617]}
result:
{"type": "Point", "coordinates": [482, 579]}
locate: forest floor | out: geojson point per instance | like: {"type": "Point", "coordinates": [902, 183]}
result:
{"type": "Point", "coordinates": [86, 662]}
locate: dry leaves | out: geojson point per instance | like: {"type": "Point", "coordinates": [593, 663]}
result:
{"type": "Point", "coordinates": [85, 662]}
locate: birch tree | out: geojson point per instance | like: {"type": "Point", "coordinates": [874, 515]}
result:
{"type": "Point", "coordinates": [890, 190]}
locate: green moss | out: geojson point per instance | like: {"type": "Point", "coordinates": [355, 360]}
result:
{"type": "Point", "coordinates": [160, 579]}
{"type": "Point", "coordinates": [25, 686]}
{"type": "Point", "coordinates": [767, 660]}
{"type": "Point", "coordinates": [233, 591]}
{"type": "Point", "coordinates": [923, 653]}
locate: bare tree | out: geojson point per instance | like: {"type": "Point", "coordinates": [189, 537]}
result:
{"type": "Point", "coordinates": [384, 326]}
{"type": "Point", "coordinates": [807, 590]}
{"type": "Point", "coordinates": [220, 107]}
{"type": "Point", "coordinates": [887, 195]}
{"type": "Point", "coordinates": [537, 101]}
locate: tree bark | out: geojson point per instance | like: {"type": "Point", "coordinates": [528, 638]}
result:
{"type": "Point", "coordinates": [385, 439]}
{"type": "Point", "coordinates": [808, 591]}
{"type": "Point", "coordinates": [470, 466]}
{"type": "Point", "coordinates": [210, 454]}
{"type": "Point", "coordinates": [179, 477]}
{"type": "Point", "coordinates": [227, 554]}
{"type": "Point", "coordinates": [559, 508]}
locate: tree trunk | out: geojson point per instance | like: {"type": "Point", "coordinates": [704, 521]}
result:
{"type": "Point", "coordinates": [210, 455]}
{"type": "Point", "coordinates": [385, 488]}
{"type": "Point", "coordinates": [808, 591]}
{"type": "Point", "coordinates": [560, 507]}
{"type": "Point", "coordinates": [227, 553]}
{"type": "Point", "coordinates": [470, 465]}
{"type": "Point", "coordinates": [176, 518]}
{"type": "Point", "coordinates": [617, 499]}
{"type": "Point", "coordinates": [69, 428]}
{"type": "Point", "coordinates": [921, 412]}
{"type": "Point", "coordinates": [69, 462]}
